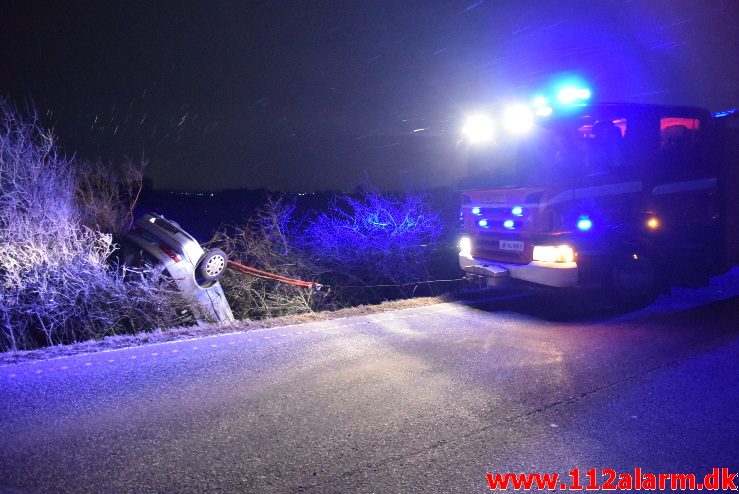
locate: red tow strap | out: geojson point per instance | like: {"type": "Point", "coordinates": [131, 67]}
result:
{"type": "Point", "coordinates": [271, 276]}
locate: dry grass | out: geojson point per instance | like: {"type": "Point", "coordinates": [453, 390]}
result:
{"type": "Point", "coordinates": [184, 333]}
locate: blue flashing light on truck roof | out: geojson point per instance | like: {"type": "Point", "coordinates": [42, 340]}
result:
{"type": "Point", "coordinates": [572, 94]}
{"type": "Point", "coordinates": [480, 127]}
{"type": "Point", "coordinates": [519, 119]}
{"type": "Point", "coordinates": [724, 113]}
{"type": "Point", "coordinates": [540, 101]}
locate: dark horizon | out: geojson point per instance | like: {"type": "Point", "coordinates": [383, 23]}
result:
{"type": "Point", "coordinates": [273, 95]}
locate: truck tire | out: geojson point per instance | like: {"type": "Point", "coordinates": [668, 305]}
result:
{"type": "Point", "coordinates": [635, 280]}
{"type": "Point", "coordinates": [212, 265]}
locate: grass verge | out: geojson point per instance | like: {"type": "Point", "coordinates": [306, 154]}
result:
{"type": "Point", "coordinates": [184, 333]}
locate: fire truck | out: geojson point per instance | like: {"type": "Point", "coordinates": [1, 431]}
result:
{"type": "Point", "coordinates": [628, 198]}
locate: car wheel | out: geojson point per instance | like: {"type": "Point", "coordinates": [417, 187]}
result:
{"type": "Point", "coordinates": [212, 265]}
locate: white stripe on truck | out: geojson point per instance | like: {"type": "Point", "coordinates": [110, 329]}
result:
{"type": "Point", "coordinates": [600, 190]}
{"type": "Point", "coordinates": [673, 188]}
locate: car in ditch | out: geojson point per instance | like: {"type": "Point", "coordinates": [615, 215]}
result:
{"type": "Point", "coordinates": [162, 244]}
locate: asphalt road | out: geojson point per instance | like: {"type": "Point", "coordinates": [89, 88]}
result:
{"type": "Point", "coordinates": [418, 400]}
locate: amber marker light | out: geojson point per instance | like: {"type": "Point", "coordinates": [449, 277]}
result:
{"type": "Point", "coordinates": [652, 223]}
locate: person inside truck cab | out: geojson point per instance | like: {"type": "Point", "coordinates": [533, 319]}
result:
{"type": "Point", "coordinates": [604, 150]}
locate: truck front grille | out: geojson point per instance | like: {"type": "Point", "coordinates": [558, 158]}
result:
{"type": "Point", "coordinates": [487, 247]}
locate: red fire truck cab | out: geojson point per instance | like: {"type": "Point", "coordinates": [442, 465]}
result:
{"type": "Point", "coordinates": [632, 198]}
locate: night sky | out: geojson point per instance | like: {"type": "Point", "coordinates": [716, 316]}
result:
{"type": "Point", "coordinates": [316, 95]}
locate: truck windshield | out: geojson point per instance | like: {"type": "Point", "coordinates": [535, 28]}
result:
{"type": "Point", "coordinates": [561, 151]}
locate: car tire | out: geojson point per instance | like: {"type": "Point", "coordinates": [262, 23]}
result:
{"type": "Point", "coordinates": [212, 265]}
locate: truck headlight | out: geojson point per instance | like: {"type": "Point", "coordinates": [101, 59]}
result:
{"type": "Point", "coordinates": [465, 247]}
{"type": "Point", "coordinates": [552, 253]}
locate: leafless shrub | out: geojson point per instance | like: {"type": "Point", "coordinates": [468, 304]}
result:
{"type": "Point", "coordinates": [56, 284]}
{"type": "Point", "coordinates": [376, 241]}
{"type": "Point", "coordinates": [267, 243]}
{"type": "Point", "coordinates": [364, 248]}
{"type": "Point", "coordinates": [106, 195]}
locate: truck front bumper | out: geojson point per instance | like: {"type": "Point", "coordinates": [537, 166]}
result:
{"type": "Point", "coordinates": [554, 274]}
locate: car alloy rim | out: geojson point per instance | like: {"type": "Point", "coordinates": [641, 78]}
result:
{"type": "Point", "coordinates": [214, 265]}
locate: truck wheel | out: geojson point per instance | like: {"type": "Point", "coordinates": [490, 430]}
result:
{"type": "Point", "coordinates": [212, 265]}
{"type": "Point", "coordinates": [634, 280]}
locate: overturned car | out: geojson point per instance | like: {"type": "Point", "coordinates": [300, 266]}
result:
{"type": "Point", "coordinates": [162, 244]}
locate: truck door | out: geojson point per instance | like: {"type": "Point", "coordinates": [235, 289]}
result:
{"type": "Point", "coordinates": [684, 211]}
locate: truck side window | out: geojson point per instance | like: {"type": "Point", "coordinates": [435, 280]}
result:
{"type": "Point", "coordinates": [604, 145]}
{"type": "Point", "coordinates": [679, 143]}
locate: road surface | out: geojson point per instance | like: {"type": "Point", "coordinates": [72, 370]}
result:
{"type": "Point", "coordinates": [426, 399]}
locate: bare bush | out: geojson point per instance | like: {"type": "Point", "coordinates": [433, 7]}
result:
{"type": "Point", "coordinates": [374, 239]}
{"type": "Point", "coordinates": [267, 242]}
{"type": "Point", "coordinates": [56, 284]}
{"type": "Point", "coordinates": [106, 195]}
{"type": "Point", "coordinates": [359, 243]}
